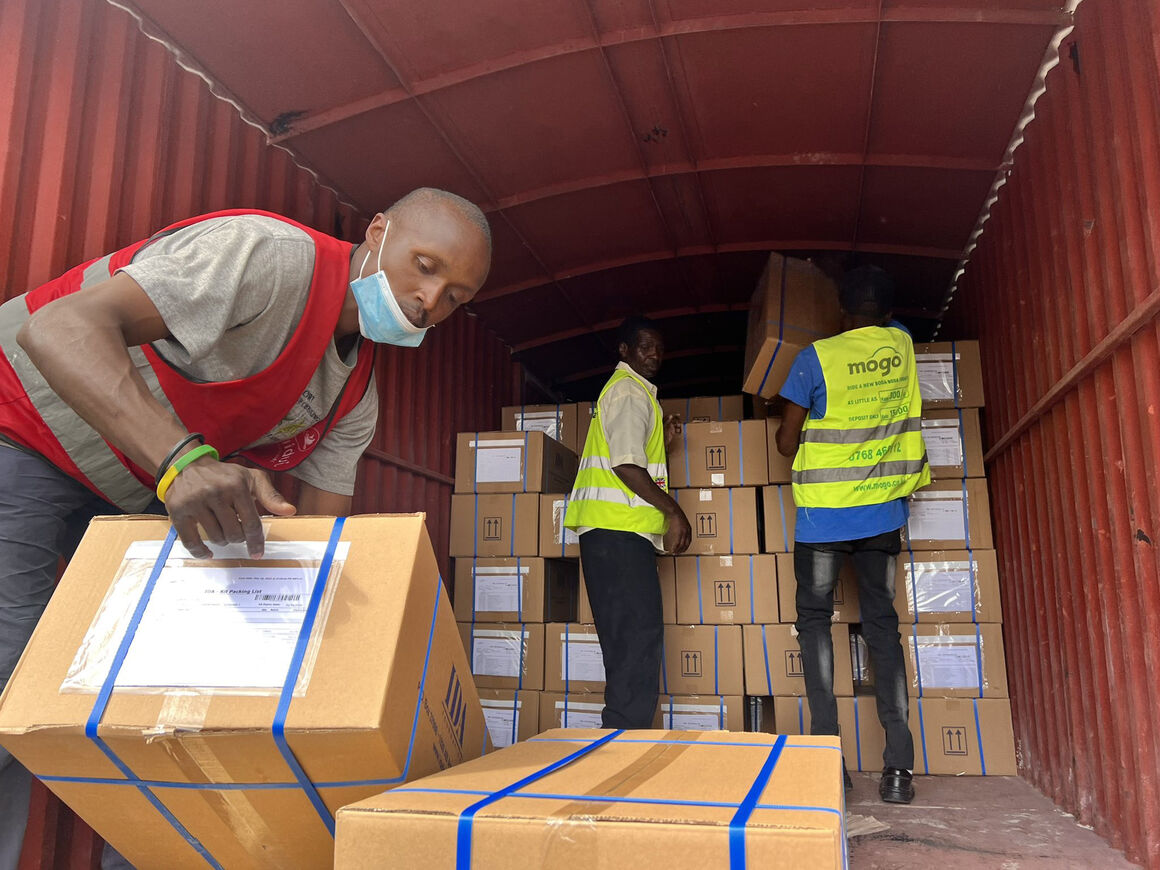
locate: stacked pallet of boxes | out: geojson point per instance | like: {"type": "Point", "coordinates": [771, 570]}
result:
{"type": "Point", "coordinates": [515, 566]}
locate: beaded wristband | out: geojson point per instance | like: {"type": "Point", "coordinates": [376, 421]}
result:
{"type": "Point", "coordinates": [179, 465]}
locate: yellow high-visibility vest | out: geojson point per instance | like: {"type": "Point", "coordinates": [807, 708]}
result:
{"type": "Point", "coordinates": [600, 500]}
{"type": "Point", "coordinates": [868, 448]}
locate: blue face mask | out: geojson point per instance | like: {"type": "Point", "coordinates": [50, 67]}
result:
{"type": "Point", "coordinates": [379, 316]}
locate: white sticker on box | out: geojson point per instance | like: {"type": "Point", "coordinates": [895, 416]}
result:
{"type": "Point", "coordinates": [936, 375]}
{"type": "Point", "coordinates": [503, 720]}
{"type": "Point", "coordinates": [582, 658]}
{"type": "Point", "coordinates": [496, 653]}
{"type": "Point", "coordinates": [499, 464]}
{"type": "Point", "coordinates": [717, 478]}
{"type": "Point", "coordinates": [948, 661]}
{"type": "Point", "coordinates": [939, 518]}
{"type": "Point", "coordinates": [706, 494]}
{"type": "Point", "coordinates": [547, 422]}
{"type": "Point", "coordinates": [943, 446]}
{"type": "Point", "coordinates": [497, 592]}
{"type": "Point", "coordinates": [691, 717]}
{"type": "Point", "coordinates": [579, 714]}
{"type": "Point", "coordinates": [726, 562]}
{"type": "Point", "coordinates": [941, 590]}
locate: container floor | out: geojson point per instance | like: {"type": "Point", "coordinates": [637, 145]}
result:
{"type": "Point", "coordinates": [974, 823]}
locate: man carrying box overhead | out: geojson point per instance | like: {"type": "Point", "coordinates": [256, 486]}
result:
{"type": "Point", "coordinates": [852, 422]}
{"type": "Point", "coordinates": [130, 380]}
{"type": "Point", "coordinates": [621, 508]}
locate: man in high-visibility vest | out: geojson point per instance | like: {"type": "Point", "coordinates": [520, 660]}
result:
{"type": "Point", "coordinates": [852, 422]}
{"type": "Point", "coordinates": [621, 508]}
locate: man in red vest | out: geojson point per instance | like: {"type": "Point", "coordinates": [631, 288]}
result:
{"type": "Point", "coordinates": [130, 380]}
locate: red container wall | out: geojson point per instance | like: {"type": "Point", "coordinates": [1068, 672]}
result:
{"type": "Point", "coordinates": [1063, 292]}
{"type": "Point", "coordinates": [104, 139]}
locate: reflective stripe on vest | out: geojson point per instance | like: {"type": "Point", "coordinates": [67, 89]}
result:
{"type": "Point", "coordinates": [599, 499]}
{"type": "Point", "coordinates": [868, 448]}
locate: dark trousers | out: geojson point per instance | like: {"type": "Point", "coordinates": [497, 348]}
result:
{"type": "Point", "coordinates": [817, 567]}
{"type": "Point", "coordinates": [620, 571]}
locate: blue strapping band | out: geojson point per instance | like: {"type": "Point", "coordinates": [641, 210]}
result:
{"type": "Point", "coordinates": [519, 591]}
{"type": "Point", "coordinates": [752, 605]}
{"type": "Point", "coordinates": [922, 734]}
{"type": "Point", "coordinates": [979, 735]}
{"type": "Point", "coordinates": [720, 407]}
{"type": "Point", "coordinates": [857, 736]}
{"type": "Point", "coordinates": [467, 817]}
{"type": "Point", "coordinates": [780, 335]}
{"type": "Point", "coordinates": [279, 726]}
{"type": "Point", "coordinates": [670, 712]}
{"type": "Point", "coordinates": [963, 442]}
{"type": "Point", "coordinates": [966, 516]}
{"type": "Point", "coordinates": [515, 715]}
{"type": "Point", "coordinates": [979, 656]}
{"type": "Point", "coordinates": [567, 670]}
{"type": "Point", "coordinates": [700, 595]}
{"type": "Point", "coordinates": [716, 661]}
{"type": "Point", "coordinates": [801, 716]}
{"type": "Point", "coordinates": [917, 662]}
{"type": "Point", "coordinates": [913, 586]}
{"type": "Point", "coordinates": [765, 652]}
{"type": "Point", "coordinates": [721, 711]}
{"type": "Point", "coordinates": [974, 586]}
{"type": "Point", "coordinates": [524, 457]}
{"type": "Point", "coordinates": [102, 701]}
{"type": "Point", "coordinates": [748, 805]}
{"type": "Point", "coordinates": [475, 472]}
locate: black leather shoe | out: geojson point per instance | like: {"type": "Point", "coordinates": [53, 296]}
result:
{"type": "Point", "coordinates": [847, 783]}
{"type": "Point", "coordinates": [896, 786]}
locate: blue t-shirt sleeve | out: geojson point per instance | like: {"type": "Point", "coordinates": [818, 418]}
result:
{"type": "Point", "coordinates": [804, 385]}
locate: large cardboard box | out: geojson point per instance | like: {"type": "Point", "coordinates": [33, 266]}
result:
{"type": "Point", "coordinates": [960, 660]}
{"type": "Point", "coordinates": [702, 660]}
{"type": "Point", "coordinates": [949, 515]}
{"type": "Point", "coordinates": [613, 799]}
{"type": "Point", "coordinates": [558, 710]}
{"type": "Point", "coordinates": [950, 374]}
{"type": "Point", "coordinates": [720, 454]}
{"type": "Point", "coordinates": [726, 590]}
{"type": "Point", "coordinates": [723, 520]}
{"type": "Point", "coordinates": [780, 467]}
{"type": "Point", "coordinates": [505, 655]}
{"type": "Point", "coordinates": [573, 663]}
{"type": "Point", "coordinates": [495, 525]}
{"type": "Point", "coordinates": [948, 586]}
{"type": "Point", "coordinates": [701, 713]}
{"type": "Point", "coordinates": [515, 589]}
{"type": "Point", "coordinates": [845, 591]}
{"type": "Point", "coordinates": [666, 575]}
{"type": "Point", "coordinates": [343, 632]}
{"type": "Point", "coordinates": [780, 515]}
{"type": "Point", "coordinates": [793, 306]}
{"type": "Point", "coordinates": [511, 715]}
{"type": "Point", "coordinates": [863, 740]}
{"type": "Point", "coordinates": [701, 409]}
{"type": "Point", "coordinates": [773, 660]}
{"type": "Point", "coordinates": [556, 421]}
{"type": "Point", "coordinates": [954, 443]}
{"type": "Point", "coordinates": [489, 462]}
{"type": "Point", "coordinates": [556, 541]}
{"type": "Point", "coordinates": [956, 736]}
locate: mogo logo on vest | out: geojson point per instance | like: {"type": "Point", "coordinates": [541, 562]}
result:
{"type": "Point", "coordinates": [882, 362]}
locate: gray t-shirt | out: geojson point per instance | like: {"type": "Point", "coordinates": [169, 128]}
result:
{"type": "Point", "coordinates": [231, 290]}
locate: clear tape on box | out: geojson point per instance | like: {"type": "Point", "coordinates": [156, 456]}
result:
{"type": "Point", "coordinates": [936, 375]}
{"type": "Point", "coordinates": [948, 660]}
{"type": "Point", "coordinates": [503, 719]}
{"type": "Point", "coordinates": [942, 587]}
{"type": "Point", "coordinates": [498, 652]}
{"type": "Point", "coordinates": [227, 625]}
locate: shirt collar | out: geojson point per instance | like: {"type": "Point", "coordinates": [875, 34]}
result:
{"type": "Point", "coordinates": [625, 367]}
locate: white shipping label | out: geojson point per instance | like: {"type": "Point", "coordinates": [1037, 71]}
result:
{"type": "Point", "coordinates": [497, 653]}
{"type": "Point", "coordinates": [539, 421]}
{"type": "Point", "coordinates": [582, 658]}
{"type": "Point", "coordinates": [569, 536]}
{"type": "Point", "coordinates": [497, 592]}
{"type": "Point", "coordinates": [941, 591]}
{"type": "Point", "coordinates": [580, 715]}
{"type": "Point", "coordinates": [705, 495]}
{"type": "Point", "coordinates": [717, 479]}
{"type": "Point", "coordinates": [937, 519]}
{"type": "Point", "coordinates": [936, 376]}
{"type": "Point", "coordinates": [503, 721]}
{"type": "Point", "coordinates": [498, 464]}
{"type": "Point", "coordinates": [947, 662]}
{"type": "Point", "coordinates": [943, 446]}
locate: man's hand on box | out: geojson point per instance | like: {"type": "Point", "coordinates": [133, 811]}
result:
{"type": "Point", "coordinates": [680, 533]}
{"type": "Point", "coordinates": [672, 429]}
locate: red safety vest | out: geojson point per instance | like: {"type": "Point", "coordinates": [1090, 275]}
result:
{"type": "Point", "coordinates": [231, 414]}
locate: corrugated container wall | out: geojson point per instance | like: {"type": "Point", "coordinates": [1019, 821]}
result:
{"type": "Point", "coordinates": [1063, 292]}
{"type": "Point", "coordinates": [104, 139]}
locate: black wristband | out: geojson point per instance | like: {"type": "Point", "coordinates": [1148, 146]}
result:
{"type": "Point", "coordinates": [168, 460]}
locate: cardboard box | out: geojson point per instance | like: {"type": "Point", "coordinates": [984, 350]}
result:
{"type": "Point", "coordinates": [959, 660]}
{"type": "Point", "coordinates": [558, 710]}
{"type": "Point", "coordinates": [515, 589]}
{"type": "Point", "coordinates": [720, 454]}
{"type": "Point", "coordinates": [702, 660]}
{"type": "Point", "coordinates": [845, 591]}
{"type": "Point", "coordinates": [950, 374]}
{"type": "Point", "coordinates": [573, 663]}
{"type": "Point", "coordinates": [780, 515]}
{"type": "Point", "coordinates": [383, 693]}
{"type": "Point", "coordinates": [511, 715]}
{"type": "Point", "coordinates": [863, 740]}
{"type": "Point", "coordinates": [556, 541]}
{"type": "Point", "coordinates": [555, 421]}
{"type": "Point", "coordinates": [490, 462]}
{"type": "Point", "coordinates": [956, 736]}
{"type": "Point", "coordinates": [703, 409]}
{"type": "Point", "coordinates": [773, 660]}
{"type": "Point", "coordinates": [948, 586]}
{"type": "Point", "coordinates": [495, 525]}
{"type": "Point", "coordinates": [726, 590]}
{"type": "Point", "coordinates": [723, 520]}
{"type": "Point", "coordinates": [608, 799]}
{"type": "Point", "coordinates": [950, 515]}
{"type": "Point", "coordinates": [954, 443]}
{"type": "Point", "coordinates": [780, 467]}
{"type": "Point", "coordinates": [701, 713]}
{"type": "Point", "coordinates": [585, 414]}
{"type": "Point", "coordinates": [794, 305]}
{"type": "Point", "coordinates": [666, 575]}
{"type": "Point", "coordinates": [505, 655]}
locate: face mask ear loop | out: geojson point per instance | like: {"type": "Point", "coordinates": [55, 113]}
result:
{"type": "Point", "coordinates": [383, 241]}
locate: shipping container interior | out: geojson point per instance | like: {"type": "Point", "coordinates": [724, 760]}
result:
{"type": "Point", "coordinates": [1000, 159]}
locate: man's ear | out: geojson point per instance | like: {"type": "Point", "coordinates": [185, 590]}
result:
{"type": "Point", "coordinates": [622, 349]}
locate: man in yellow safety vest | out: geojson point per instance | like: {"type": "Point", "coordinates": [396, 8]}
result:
{"type": "Point", "coordinates": [621, 508]}
{"type": "Point", "coordinates": [852, 422]}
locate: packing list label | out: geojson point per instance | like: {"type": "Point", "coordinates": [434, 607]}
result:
{"type": "Point", "coordinates": [496, 653]}
{"type": "Point", "coordinates": [937, 588]}
{"type": "Point", "coordinates": [937, 516]}
{"type": "Point", "coordinates": [944, 447]}
{"type": "Point", "coordinates": [503, 720]}
{"type": "Point", "coordinates": [497, 592]}
{"type": "Point", "coordinates": [582, 659]}
{"type": "Point", "coordinates": [947, 661]}
{"type": "Point", "coordinates": [936, 375]}
{"type": "Point", "coordinates": [580, 714]}
{"type": "Point", "coordinates": [499, 462]}
{"type": "Point", "coordinates": [547, 422]}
